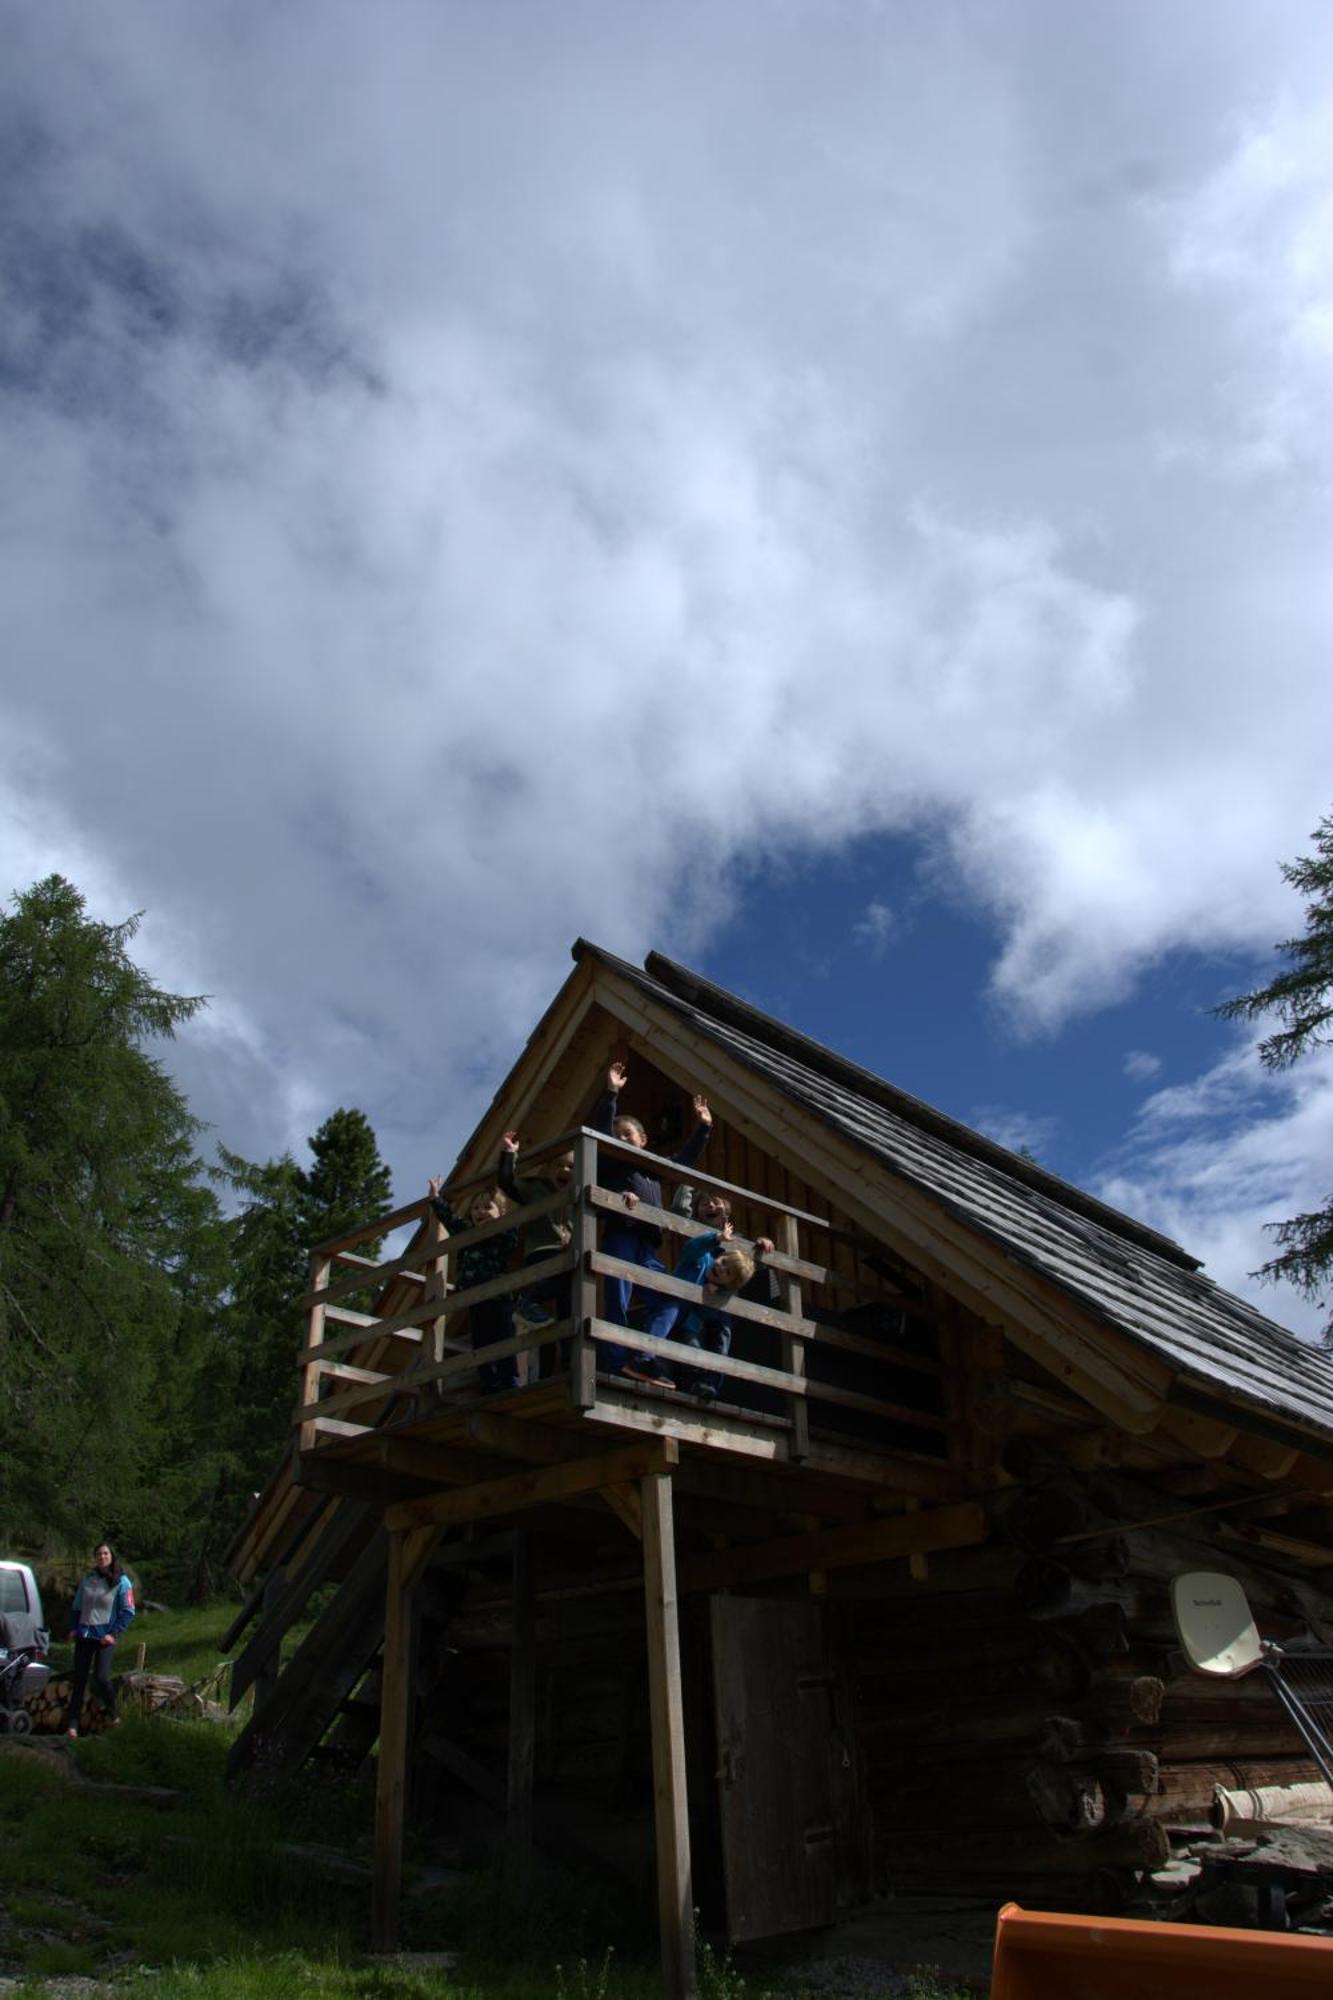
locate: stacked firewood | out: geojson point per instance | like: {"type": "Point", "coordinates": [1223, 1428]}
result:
{"type": "Point", "coordinates": [1040, 1735]}
{"type": "Point", "coordinates": [48, 1708]}
{"type": "Point", "coordinates": [137, 1692]}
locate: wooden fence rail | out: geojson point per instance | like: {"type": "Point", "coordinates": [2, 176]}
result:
{"type": "Point", "coordinates": [333, 1385]}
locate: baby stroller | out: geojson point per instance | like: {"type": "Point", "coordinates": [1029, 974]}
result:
{"type": "Point", "coordinates": [23, 1642]}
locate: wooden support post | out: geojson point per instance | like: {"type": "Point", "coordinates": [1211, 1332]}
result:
{"type": "Point", "coordinates": [793, 1350]}
{"type": "Point", "coordinates": [582, 1282]}
{"type": "Point", "coordinates": [522, 1702]}
{"type": "Point", "coordinates": [408, 1552]}
{"type": "Point", "coordinates": [675, 1895]}
{"type": "Point", "coordinates": [437, 1286]}
{"type": "Point", "coordinates": [307, 1435]}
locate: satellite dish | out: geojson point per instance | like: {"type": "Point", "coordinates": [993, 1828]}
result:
{"type": "Point", "coordinates": [1215, 1625]}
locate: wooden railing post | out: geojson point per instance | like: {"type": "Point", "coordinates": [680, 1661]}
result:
{"type": "Point", "coordinates": [437, 1282]}
{"type": "Point", "coordinates": [675, 1893]}
{"type": "Point", "coordinates": [582, 1279]}
{"type": "Point", "coordinates": [793, 1349]}
{"type": "Point", "coordinates": [314, 1334]}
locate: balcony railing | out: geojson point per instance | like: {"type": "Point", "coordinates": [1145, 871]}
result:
{"type": "Point", "coordinates": [421, 1335]}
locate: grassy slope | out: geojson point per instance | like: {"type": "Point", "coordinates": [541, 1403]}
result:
{"type": "Point", "coordinates": [203, 1895]}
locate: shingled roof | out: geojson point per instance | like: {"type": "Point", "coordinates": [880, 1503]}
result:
{"type": "Point", "coordinates": [1135, 1280]}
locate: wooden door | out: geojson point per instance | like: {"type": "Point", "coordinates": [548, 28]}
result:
{"type": "Point", "coordinates": [777, 1755]}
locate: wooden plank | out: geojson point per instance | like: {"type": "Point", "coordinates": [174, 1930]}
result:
{"type": "Point", "coordinates": [343, 1527]}
{"type": "Point", "coordinates": [337, 1428]}
{"type": "Point", "coordinates": [671, 1170]}
{"type": "Point", "coordinates": [499, 1350]}
{"type": "Point", "coordinates": [960, 1527]}
{"type": "Point", "coordinates": [675, 1896]}
{"type": "Point", "coordinates": [543, 1485]}
{"type": "Point", "coordinates": [383, 1225]}
{"type": "Point", "coordinates": [757, 1371]}
{"type": "Point", "coordinates": [306, 1437]}
{"type": "Point", "coordinates": [793, 1350]}
{"type": "Point", "coordinates": [343, 1371]}
{"type": "Point", "coordinates": [347, 1343]}
{"type": "Point", "coordinates": [768, 1316]}
{"type": "Point", "coordinates": [583, 1285]}
{"type": "Point", "coordinates": [523, 1437]}
{"type": "Point", "coordinates": [522, 1703]}
{"type": "Point", "coordinates": [763, 1437]}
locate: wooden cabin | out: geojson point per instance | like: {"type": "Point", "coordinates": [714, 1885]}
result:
{"type": "Point", "coordinates": [889, 1613]}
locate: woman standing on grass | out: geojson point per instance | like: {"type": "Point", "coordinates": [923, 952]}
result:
{"type": "Point", "coordinates": [102, 1609]}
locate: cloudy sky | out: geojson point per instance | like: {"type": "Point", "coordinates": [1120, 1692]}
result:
{"type": "Point", "coordinates": [837, 491]}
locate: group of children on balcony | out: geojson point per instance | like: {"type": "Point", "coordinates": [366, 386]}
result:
{"type": "Point", "coordinates": [713, 1260]}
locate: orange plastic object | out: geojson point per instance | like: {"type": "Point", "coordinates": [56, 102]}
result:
{"type": "Point", "coordinates": [1039, 1956]}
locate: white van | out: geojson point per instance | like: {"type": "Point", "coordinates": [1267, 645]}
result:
{"type": "Point", "coordinates": [19, 1594]}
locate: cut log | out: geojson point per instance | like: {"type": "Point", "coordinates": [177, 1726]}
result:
{"type": "Point", "coordinates": [1070, 1801]}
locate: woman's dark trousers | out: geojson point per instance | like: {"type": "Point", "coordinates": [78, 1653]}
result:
{"type": "Point", "coordinates": [91, 1655]}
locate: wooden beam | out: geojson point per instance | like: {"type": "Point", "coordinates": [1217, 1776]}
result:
{"type": "Point", "coordinates": [768, 1492]}
{"type": "Point", "coordinates": [583, 1285]}
{"type": "Point", "coordinates": [522, 1490]}
{"type": "Point", "coordinates": [756, 1435]}
{"type": "Point", "coordinates": [522, 1703]}
{"type": "Point", "coordinates": [1202, 1437]}
{"type": "Point", "coordinates": [307, 1437]}
{"type": "Point", "coordinates": [960, 1527]}
{"type": "Point", "coordinates": [675, 1895]}
{"type": "Point", "coordinates": [793, 1350]}
{"type": "Point", "coordinates": [1261, 1455]}
{"type": "Point", "coordinates": [625, 1505]}
{"type": "Point", "coordinates": [796, 1386]}
{"type": "Point", "coordinates": [408, 1552]}
{"type": "Point", "coordinates": [521, 1437]}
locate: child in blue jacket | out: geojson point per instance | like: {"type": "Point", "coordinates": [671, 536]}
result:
{"type": "Point", "coordinates": [633, 1240]}
{"type": "Point", "coordinates": [720, 1266]}
{"type": "Point", "coordinates": [103, 1608]}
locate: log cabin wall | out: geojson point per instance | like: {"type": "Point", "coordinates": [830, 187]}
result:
{"type": "Point", "coordinates": [1027, 1724]}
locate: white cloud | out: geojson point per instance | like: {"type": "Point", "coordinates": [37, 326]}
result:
{"type": "Point", "coordinates": [1212, 1161]}
{"type": "Point", "coordinates": [875, 930]}
{"type": "Point", "coordinates": [462, 492]}
{"type": "Point", "coordinates": [1140, 1064]}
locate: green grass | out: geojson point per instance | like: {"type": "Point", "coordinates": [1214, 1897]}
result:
{"type": "Point", "coordinates": [199, 1901]}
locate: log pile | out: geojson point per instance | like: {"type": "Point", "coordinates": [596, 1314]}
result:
{"type": "Point", "coordinates": [1040, 1736]}
{"type": "Point", "coordinates": [137, 1692]}
{"type": "Point", "coordinates": [47, 1708]}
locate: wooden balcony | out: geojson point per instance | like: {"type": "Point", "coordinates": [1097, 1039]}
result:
{"type": "Point", "coordinates": [801, 1390]}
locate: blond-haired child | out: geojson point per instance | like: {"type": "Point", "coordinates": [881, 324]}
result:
{"type": "Point", "coordinates": [721, 1266]}
{"type": "Point", "coordinates": [490, 1320]}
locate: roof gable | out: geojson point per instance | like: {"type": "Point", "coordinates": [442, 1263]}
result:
{"type": "Point", "coordinates": [1126, 1275]}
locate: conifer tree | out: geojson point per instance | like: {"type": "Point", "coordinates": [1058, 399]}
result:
{"type": "Point", "coordinates": [108, 1235]}
{"type": "Point", "coordinates": [286, 1209]}
{"type": "Point", "coordinates": [1301, 997]}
